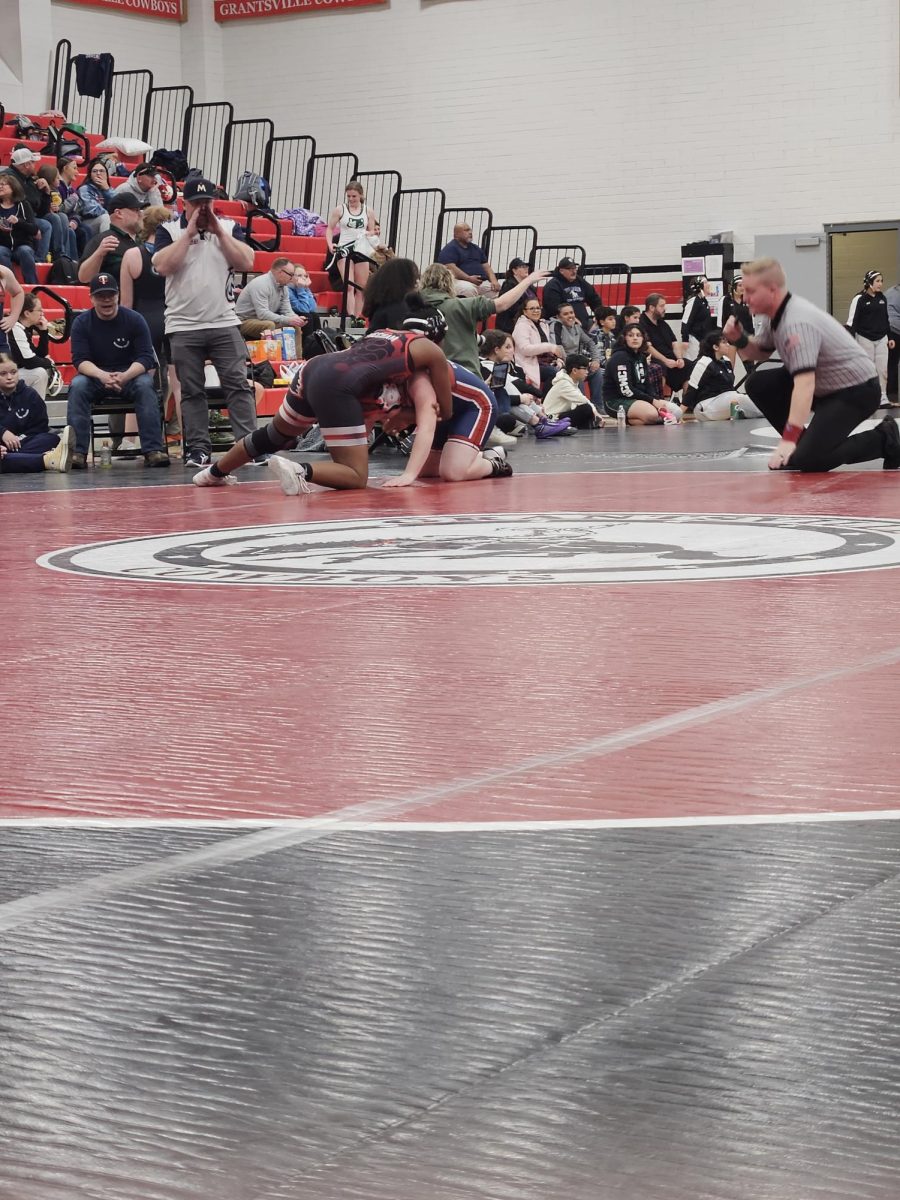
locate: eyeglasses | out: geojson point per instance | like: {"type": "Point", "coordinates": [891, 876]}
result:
{"type": "Point", "coordinates": [287, 271]}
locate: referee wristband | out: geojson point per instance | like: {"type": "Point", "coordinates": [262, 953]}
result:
{"type": "Point", "coordinates": [791, 433]}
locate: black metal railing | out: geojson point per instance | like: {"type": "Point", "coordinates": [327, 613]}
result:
{"type": "Point", "coordinates": [128, 100]}
{"type": "Point", "coordinates": [480, 219]}
{"type": "Point", "coordinates": [164, 114]}
{"type": "Point", "coordinates": [286, 167]}
{"type": "Point", "coordinates": [203, 136]}
{"type": "Point", "coordinates": [415, 223]}
{"type": "Point", "coordinates": [545, 258]}
{"type": "Point", "coordinates": [381, 187]}
{"type": "Point", "coordinates": [61, 57]}
{"type": "Point", "coordinates": [503, 243]}
{"type": "Point", "coordinates": [246, 143]}
{"type": "Point", "coordinates": [611, 280]}
{"type": "Point", "coordinates": [327, 176]}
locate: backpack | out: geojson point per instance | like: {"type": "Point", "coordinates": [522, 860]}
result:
{"type": "Point", "coordinates": [318, 342]}
{"type": "Point", "coordinates": [172, 161]}
{"type": "Point", "coordinates": [25, 128]}
{"type": "Point", "coordinates": [63, 271]}
{"type": "Point", "coordinates": [253, 190]}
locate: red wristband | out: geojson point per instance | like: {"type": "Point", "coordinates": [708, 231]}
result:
{"type": "Point", "coordinates": [791, 433]}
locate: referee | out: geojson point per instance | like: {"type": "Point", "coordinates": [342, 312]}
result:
{"type": "Point", "coordinates": [825, 372]}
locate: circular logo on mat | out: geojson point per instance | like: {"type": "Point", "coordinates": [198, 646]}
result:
{"type": "Point", "coordinates": [484, 550]}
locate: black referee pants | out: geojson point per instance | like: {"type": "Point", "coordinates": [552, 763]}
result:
{"type": "Point", "coordinates": [827, 443]}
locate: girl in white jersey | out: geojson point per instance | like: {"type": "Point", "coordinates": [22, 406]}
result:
{"type": "Point", "coordinates": [347, 223]}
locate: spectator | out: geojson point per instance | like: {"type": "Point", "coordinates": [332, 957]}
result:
{"type": "Point", "coordinates": [463, 313]}
{"type": "Point", "coordinates": [18, 229]}
{"type": "Point", "coordinates": [386, 300]}
{"type": "Point", "coordinates": [869, 323]}
{"type": "Point", "coordinates": [565, 284]}
{"type": "Point", "coordinates": [664, 348]}
{"type": "Point", "coordinates": [605, 333]}
{"type": "Point", "coordinates": [105, 251]}
{"type": "Point", "coordinates": [265, 304]}
{"type": "Point", "coordinates": [300, 292]}
{"type": "Point", "coordinates": [197, 255]}
{"type": "Point", "coordinates": [95, 194]}
{"type": "Point", "coordinates": [352, 228]}
{"type": "Point", "coordinates": [536, 352]}
{"type": "Point", "coordinates": [36, 191]}
{"type": "Point", "coordinates": [25, 433]}
{"type": "Point", "coordinates": [697, 319]}
{"type": "Point", "coordinates": [518, 270]}
{"type": "Point", "coordinates": [892, 295]}
{"type": "Point", "coordinates": [734, 306]}
{"type": "Point", "coordinates": [112, 350]}
{"type": "Point", "coordinates": [114, 168]}
{"type": "Point", "coordinates": [144, 291]}
{"type": "Point", "coordinates": [71, 202]}
{"type": "Point", "coordinates": [29, 343]}
{"type": "Point", "coordinates": [468, 264]}
{"type": "Point", "coordinates": [512, 390]}
{"type": "Point", "coordinates": [566, 399]}
{"type": "Point", "coordinates": [569, 333]}
{"type": "Point", "coordinates": [626, 385]}
{"type": "Point", "coordinates": [64, 237]}
{"type": "Point", "coordinates": [630, 315]}
{"type": "Point", "coordinates": [710, 391]}
{"type": "Point", "coordinates": [9, 286]}
{"type": "Point", "coordinates": [143, 185]}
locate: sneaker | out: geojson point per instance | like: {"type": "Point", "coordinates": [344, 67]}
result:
{"type": "Point", "coordinates": [156, 458]}
{"type": "Point", "coordinates": [891, 444]}
{"type": "Point", "coordinates": [290, 475]}
{"type": "Point", "coordinates": [312, 442]}
{"type": "Point", "coordinates": [500, 468]}
{"type": "Point", "coordinates": [197, 458]}
{"type": "Point", "coordinates": [498, 438]}
{"type": "Point", "coordinates": [60, 459]}
{"type": "Point", "coordinates": [518, 430]}
{"type": "Point", "coordinates": [495, 452]}
{"type": "Point", "coordinates": [127, 446]}
{"type": "Point", "coordinates": [54, 384]}
{"type": "Point", "coordinates": [79, 462]}
{"type": "Point", "coordinates": [549, 429]}
{"type": "Point", "coordinates": [204, 478]}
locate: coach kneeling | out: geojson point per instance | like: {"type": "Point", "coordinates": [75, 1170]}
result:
{"type": "Point", "coordinates": [113, 351]}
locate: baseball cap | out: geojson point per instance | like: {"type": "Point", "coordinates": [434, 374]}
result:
{"type": "Point", "coordinates": [199, 189]}
{"type": "Point", "coordinates": [24, 155]}
{"type": "Point", "coordinates": [517, 262]}
{"type": "Point", "coordinates": [566, 262]}
{"type": "Point", "coordinates": [104, 282]}
{"type": "Point", "coordinates": [123, 200]}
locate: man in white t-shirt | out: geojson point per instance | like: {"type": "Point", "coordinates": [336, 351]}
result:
{"type": "Point", "coordinates": [198, 256]}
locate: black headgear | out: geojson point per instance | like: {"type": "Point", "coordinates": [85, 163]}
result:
{"type": "Point", "coordinates": [870, 278]}
{"type": "Point", "coordinates": [431, 322]}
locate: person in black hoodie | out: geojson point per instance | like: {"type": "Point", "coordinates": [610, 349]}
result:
{"type": "Point", "coordinates": [518, 270]}
{"type": "Point", "coordinates": [53, 227]}
{"type": "Point", "coordinates": [710, 391]}
{"type": "Point", "coordinates": [869, 323]}
{"type": "Point", "coordinates": [625, 384]}
{"type": "Point", "coordinates": [565, 286]}
{"type": "Point", "coordinates": [26, 443]}
{"type": "Point", "coordinates": [696, 320]}
{"type": "Point", "coordinates": [17, 228]}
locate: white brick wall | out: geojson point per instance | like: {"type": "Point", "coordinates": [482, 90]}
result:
{"type": "Point", "coordinates": [136, 43]}
{"type": "Point", "coordinates": [631, 127]}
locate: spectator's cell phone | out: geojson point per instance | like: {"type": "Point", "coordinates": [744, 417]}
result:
{"type": "Point", "coordinates": [499, 375]}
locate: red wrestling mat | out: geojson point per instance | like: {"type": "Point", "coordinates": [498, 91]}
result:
{"type": "Point", "coordinates": [540, 663]}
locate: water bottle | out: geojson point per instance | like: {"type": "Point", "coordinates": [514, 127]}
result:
{"type": "Point", "coordinates": [105, 454]}
{"type": "Point", "coordinates": [621, 418]}
{"type": "Point", "coordinates": [735, 413]}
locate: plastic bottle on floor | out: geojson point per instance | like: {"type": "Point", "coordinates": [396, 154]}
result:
{"type": "Point", "coordinates": [105, 454]}
{"type": "Point", "coordinates": [621, 418]}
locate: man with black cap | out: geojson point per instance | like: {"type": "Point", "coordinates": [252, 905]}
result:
{"type": "Point", "coordinates": [198, 255]}
{"type": "Point", "coordinates": [112, 350]}
{"type": "Point", "coordinates": [565, 286]}
{"type": "Point", "coordinates": [104, 252]}
{"type": "Point", "coordinates": [142, 184]}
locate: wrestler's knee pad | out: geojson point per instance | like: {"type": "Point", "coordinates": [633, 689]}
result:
{"type": "Point", "coordinates": [266, 441]}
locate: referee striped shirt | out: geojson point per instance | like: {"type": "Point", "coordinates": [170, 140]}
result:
{"type": "Point", "coordinates": [808, 339]}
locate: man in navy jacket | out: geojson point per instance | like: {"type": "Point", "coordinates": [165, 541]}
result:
{"type": "Point", "coordinates": [113, 351]}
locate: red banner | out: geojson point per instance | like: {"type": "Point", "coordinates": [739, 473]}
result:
{"type": "Point", "coordinates": [243, 10]}
{"type": "Point", "coordinates": [166, 10]}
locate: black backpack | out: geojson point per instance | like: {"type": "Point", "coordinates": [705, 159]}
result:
{"type": "Point", "coordinates": [172, 161]}
{"type": "Point", "coordinates": [63, 271]}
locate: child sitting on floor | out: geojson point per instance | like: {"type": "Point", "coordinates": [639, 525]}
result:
{"type": "Point", "coordinates": [566, 399]}
{"type": "Point", "coordinates": [25, 433]}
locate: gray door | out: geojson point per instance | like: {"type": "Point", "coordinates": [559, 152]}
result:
{"type": "Point", "coordinates": [805, 260]}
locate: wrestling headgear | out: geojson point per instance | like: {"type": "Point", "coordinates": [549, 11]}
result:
{"type": "Point", "coordinates": [432, 323]}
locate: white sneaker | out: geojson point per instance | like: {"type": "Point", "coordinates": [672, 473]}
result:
{"type": "Point", "coordinates": [128, 444]}
{"type": "Point", "coordinates": [60, 459]}
{"type": "Point", "coordinates": [498, 438]}
{"type": "Point", "coordinates": [290, 475]}
{"type": "Point", "coordinates": [205, 478]}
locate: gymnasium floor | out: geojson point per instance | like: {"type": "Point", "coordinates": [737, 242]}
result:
{"type": "Point", "coordinates": [531, 839]}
